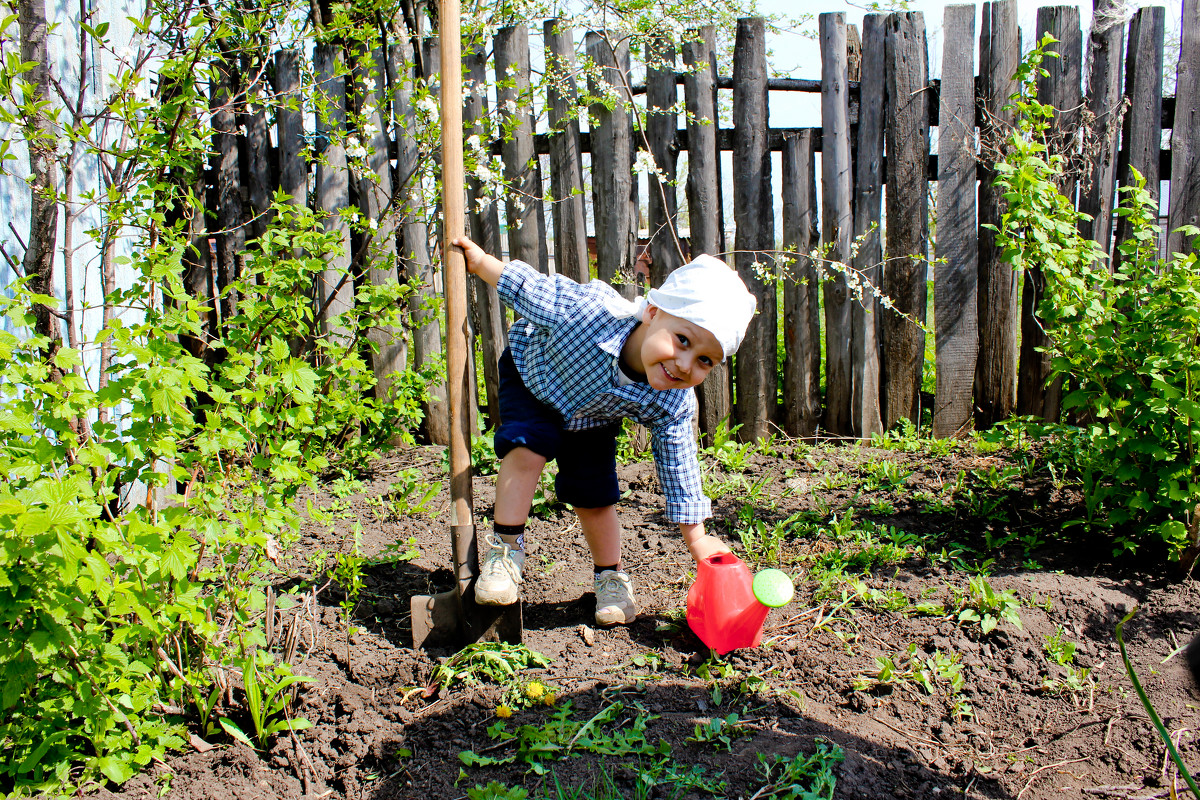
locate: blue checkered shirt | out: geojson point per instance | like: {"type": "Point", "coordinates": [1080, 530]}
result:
{"type": "Point", "coordinates": [566, 347]}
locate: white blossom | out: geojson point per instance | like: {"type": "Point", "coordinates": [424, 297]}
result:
{"type": "Point", "coordinates": [645, 165]}
{"type": "Point", "coordinates": [427, 106]}
{"type": "Point", "coordinates": [355, 149]}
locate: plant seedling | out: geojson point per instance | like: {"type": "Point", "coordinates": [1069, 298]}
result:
{"type": "Point", "coordinates": [984, 605]}
{"type": "Point", "coordinates": [719, 732]}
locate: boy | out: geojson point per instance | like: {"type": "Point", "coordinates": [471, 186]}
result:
{"type": "Point", "coordinates": [581, 358]}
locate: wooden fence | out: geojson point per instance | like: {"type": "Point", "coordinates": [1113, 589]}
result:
{"type": "Point", "coordinates": [876, 98]}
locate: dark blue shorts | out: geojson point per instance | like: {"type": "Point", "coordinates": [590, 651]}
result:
{"type": "Point", "coordinates": [587, 460]}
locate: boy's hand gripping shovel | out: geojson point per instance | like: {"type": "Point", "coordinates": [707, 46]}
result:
{"type": "Point", "coordinates": [453, 617]}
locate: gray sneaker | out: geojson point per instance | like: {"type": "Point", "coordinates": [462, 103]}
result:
{"type": "Point", "coordinates": [499, 575]}
{"type": "Point", "coordinates": [614, 598]}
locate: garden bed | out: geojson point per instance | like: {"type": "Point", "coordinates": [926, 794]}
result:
{"type": "Point", "coordinates": [875, 658]}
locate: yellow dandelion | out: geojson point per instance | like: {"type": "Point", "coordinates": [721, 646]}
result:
{"type": "Point", "coordinates": [503, 711]}
{"type": "Point", "coordinates": [549, 698]}
{"type": "Point", "coordinates": [534, 690]}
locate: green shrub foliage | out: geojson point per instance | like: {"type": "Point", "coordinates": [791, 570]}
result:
{"type": "Point", "coordinates": [1125, 339]}
{"type": "Point", "coordinates": [111, 612]}
{"type": "Point", "coordinates": [117, 616]}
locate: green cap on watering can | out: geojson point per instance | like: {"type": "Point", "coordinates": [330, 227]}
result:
{"type": "Point", "coordinates": [773, 588]}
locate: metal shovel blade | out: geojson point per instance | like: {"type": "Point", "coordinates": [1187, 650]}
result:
{"type": "Point", "coordinates": [452, 618]}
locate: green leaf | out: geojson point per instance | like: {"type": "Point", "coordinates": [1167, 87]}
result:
{"type": "Point", "coordinates": [115, 769]}
{"type": "Point", "coordinates": [175, 561]}
{"type": "Point", "coordinates": [67, 358]}
{"type": "Point", "coordinates": [233, 730]}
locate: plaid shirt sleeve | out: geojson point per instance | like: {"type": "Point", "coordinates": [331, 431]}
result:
{"type": "Point", "coordinates": [678, 466]}
{"type": "Point", "coordinates": [541, 299]}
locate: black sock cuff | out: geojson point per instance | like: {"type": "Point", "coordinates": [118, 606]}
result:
{"type": "Point", "coordinates": [512, 535]}
{"type": "Point", "coordinates": [597, 569]}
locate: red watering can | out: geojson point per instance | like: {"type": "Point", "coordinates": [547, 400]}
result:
{"type": "Point", "coordinates": [726, 607]}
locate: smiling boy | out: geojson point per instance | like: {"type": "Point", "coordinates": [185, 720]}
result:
{"type": "Point", "coordinates": [580, 359]}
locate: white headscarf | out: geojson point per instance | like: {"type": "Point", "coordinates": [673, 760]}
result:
{"type": "Point", "coordinates": [707, 293]}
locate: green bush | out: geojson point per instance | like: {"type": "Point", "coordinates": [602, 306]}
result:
{"type": "Point", "coordinates": [1126, 341]}
{"type": "Point", "coordinates": [111, 613]}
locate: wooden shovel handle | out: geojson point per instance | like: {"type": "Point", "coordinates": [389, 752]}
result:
{"type": "Point", "coordinates": [455, 267]}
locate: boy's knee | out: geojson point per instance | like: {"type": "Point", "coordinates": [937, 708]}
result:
{"type": "Point", "coordinates": [592, 513]}
{"type": "Point", "coordinates": [524, 460]}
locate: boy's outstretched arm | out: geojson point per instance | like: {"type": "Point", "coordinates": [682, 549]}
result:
{"type": "Point", "coordinates": [699, 543]}
{"type": "Point", "coordinates": [486, 266]}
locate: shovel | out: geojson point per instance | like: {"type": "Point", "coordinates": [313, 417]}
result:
{"type": "Point", "coordinates": [453, 618]}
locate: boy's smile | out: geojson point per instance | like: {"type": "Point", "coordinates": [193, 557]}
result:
{"type": "Point", "coordinates": [671, 352]}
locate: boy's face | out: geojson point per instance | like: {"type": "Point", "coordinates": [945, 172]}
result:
{"type": "Point", "coordinates": [675, 353]}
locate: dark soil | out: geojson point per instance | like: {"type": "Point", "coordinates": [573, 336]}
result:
{"type": "Point", "coordinates": [378, 733]}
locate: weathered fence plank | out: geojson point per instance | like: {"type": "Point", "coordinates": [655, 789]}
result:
{"type": "Point", "coordinates": [289, 121]}
{"type": "Point", "coordinates": [1141, 137]}
{"type": "Point", "coordinates": [837, 226]}
{"type": "Point", "coordinates": [955, 309]}
{"type": "Point", "coordinates": [231, 235]}
{"type": "Point", "coordinates": [566, 157]}
{"type": "Point", "coordinates": [904, 278]}
{"type": "Point", "coordinates": [1185, 135]}
{"type": "Point", "coordinates": [523, 204]}
{"type": "Point", "coordinates": [374, 186]}
{"type": "Point", "coordinates": [756, 374]}
{"type": "Point", "coordinates": [484, 219]}
{"type": "Point", "coordinates": [1060, 87]}
{"type": "Point", "coordinates": [335, 286]}
{"type": "Point", "coordinates": [661, 125]}
{"type": "Point", "coordinates": [612, 152]}
{"type": "Point", "coordinates": [704, 195]}
{"type": "Point", "coordinates": [865, 413]}
{"type": "Point", "coordinates": [801, 289]}
{"type": "Point", "coordinates": [996, 367]}
{"type": "Point", "coordinates": [260, 183]}
{"type": "Point", "coordinates": [1106, 104]}
{"type": "Point", "coordinates": [414, 230]}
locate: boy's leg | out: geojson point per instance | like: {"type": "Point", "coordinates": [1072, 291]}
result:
{"type": "Point", "coordinates": [500, 574]}
{"type": "Point", "coordinates": [587, 479]}
{"type": "Point", "coordinates": [615, 603]}
{"type": "Point", "coordinates": [527, 437]}
{"type": "Point", "coordinates": [520, 470]}
{"type": "Point", "coordinates": [602, 530]}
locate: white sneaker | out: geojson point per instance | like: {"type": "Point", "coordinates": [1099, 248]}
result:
{"type": "Point", "coordinates": [500, 574]}
{"type": "Point", "coordinates": [614, 598]}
